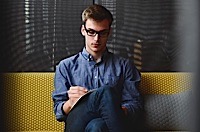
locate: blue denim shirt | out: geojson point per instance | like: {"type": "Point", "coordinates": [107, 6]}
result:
{"type": "Point", "coordinates": [82, 70]}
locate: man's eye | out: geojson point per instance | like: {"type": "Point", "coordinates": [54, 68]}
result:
{"type": "Point", "coordinates": [104, 33]}
{"type": "Point", "coordinates": [91, 32]}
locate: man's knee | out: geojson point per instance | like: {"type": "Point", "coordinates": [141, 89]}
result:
{"type": "Point", "coordinates": [96, 125]}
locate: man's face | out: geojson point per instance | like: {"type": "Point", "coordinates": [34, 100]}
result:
{"type": "Point", "coordinates": [96, 34]}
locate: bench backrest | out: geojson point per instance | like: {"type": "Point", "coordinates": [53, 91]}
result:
{"type": "Point", "coordinates": [29, 105]}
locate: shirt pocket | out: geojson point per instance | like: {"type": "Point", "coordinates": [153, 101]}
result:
{"type": "Point", "coordinates": [111, 80]}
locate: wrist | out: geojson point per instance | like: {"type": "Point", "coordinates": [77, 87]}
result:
{"type": "Point", "coordinates": [66, 107]}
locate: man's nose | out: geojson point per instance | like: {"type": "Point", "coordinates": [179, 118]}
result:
{"type": "Point", "coordinates": [96, 37]}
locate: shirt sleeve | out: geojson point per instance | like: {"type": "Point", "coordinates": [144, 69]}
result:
{"type": "Point", "coordinates": [59, 95]}
{"type": "Point", "coordinates": [131, 98]}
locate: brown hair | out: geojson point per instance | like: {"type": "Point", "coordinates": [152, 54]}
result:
{"type": "Point", "coordinates": [97, 13]}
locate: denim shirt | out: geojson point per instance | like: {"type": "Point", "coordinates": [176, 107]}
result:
{"type": "Point", "coordinates": [82, 70]}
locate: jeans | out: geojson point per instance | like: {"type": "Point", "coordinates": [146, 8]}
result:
{"type": "Point", "coordinates": [99, 111]}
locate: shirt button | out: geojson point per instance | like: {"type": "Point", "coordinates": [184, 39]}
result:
{"type": "Point", "coordinates": [95, 77]}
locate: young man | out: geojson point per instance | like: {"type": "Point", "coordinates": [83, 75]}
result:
{"type": "Point", "coordinates": [115, 99]}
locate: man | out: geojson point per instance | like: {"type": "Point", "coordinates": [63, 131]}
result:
{"type": "Point", "coordinates": [115, 99]}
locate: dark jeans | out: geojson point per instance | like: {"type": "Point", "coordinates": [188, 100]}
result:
{"type": "Point", "coordinates": [99, 111]}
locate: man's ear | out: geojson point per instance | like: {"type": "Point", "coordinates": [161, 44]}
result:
{"type": "Point", "coordinates": [82, 30]}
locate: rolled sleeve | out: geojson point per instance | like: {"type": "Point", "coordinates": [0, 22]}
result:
{"type": "Point", "coordinates": [59, 95]}
{"type": "Point", "coordinates": [60, 116]}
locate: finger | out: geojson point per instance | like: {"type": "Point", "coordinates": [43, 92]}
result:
{"type": "Point", "coordinates": [79, 88]}
{"type": "Point", "coordinates": [76, 94]}
{"type": "Point", "coordinates": [76, 91]}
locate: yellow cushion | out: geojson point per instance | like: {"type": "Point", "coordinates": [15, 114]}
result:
{"type": "Point", "coordinates": [30, 107]}
{"type": "Point", "coordinates": [165, 82]}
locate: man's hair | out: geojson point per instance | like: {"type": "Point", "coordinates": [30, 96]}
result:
{"type": "Point", "coordinates": [97, 13]}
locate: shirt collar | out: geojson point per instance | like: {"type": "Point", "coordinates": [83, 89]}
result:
{"type": "Point", "coordinates": [89, 57]}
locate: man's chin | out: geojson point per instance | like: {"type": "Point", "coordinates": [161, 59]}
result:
{"type": "Point", "coordinates": [96, 49]}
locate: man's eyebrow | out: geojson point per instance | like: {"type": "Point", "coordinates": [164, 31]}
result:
{"type": "Point", "coordinates": [98, 31]}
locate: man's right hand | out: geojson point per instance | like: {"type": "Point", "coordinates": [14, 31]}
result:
{"type": "Point", "coordinates": [75, 92]}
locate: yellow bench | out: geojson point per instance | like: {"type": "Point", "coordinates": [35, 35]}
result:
{"type": "Point", "coordinates": [29, 105]}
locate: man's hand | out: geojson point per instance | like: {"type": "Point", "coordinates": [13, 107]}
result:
{"type": "Point", "coordinates": [75, 92]}
{"type": "Point", "coordinates": [125, 110]}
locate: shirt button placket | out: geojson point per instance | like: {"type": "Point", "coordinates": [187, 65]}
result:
{"type": "Point", "coordinates": [96, 76]}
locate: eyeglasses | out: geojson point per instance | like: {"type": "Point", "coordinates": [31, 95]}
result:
{"type": "Point", "coordinates": [92, 32]}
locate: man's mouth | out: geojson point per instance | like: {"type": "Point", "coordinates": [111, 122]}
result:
{"type": "Point", "coordinates": [96, 45]}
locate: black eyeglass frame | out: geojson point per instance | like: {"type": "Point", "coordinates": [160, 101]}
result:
{"type": "Point", "coordinates": [103, 33]}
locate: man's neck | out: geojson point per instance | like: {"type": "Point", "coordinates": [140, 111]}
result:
{"type": "Point", "coordinates": [96, 55]}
